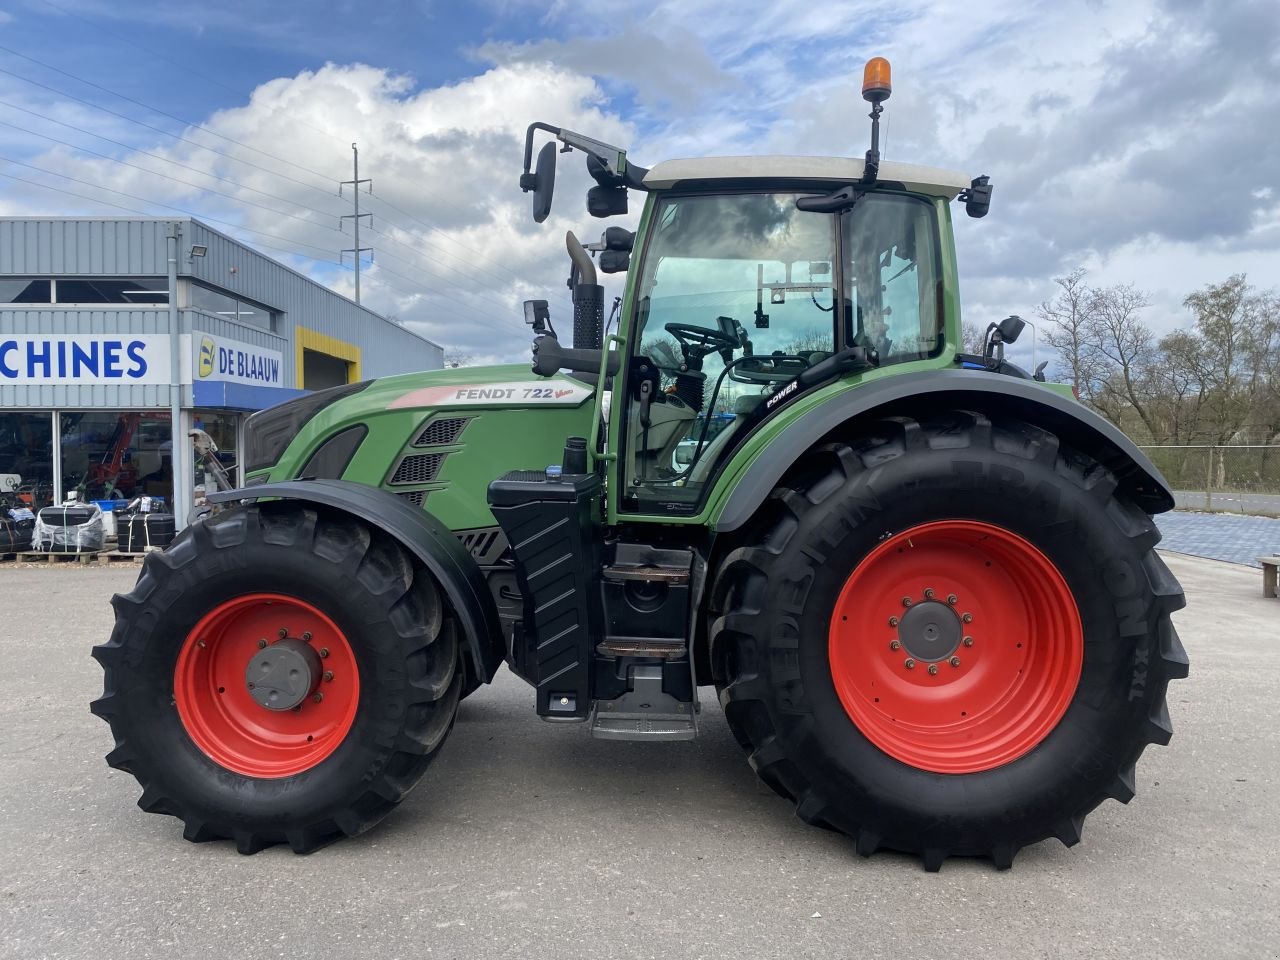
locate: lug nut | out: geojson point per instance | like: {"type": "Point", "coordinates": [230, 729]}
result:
{"type": "Point", "coordinates": [328, 675]}
{"type": "Point", "coordinates": [967, 617]}
{"type": "Point", "coordinates": [324, 651]}
{"type": "Point", "coordinates": [895, 645]}
{"type": "Point", "coordinates": [262, 642]}
{"type": "Point", "coordinates": [968, 641]}
{"type": "Point", "coordinates": [282, 632]}
{"type": "Point", "coordinates": [952, 598]}
{"type": "Point", "coordinates": [306, 635]}
{"type": "Point", "coordinates": [910, 664]}
{"type": "Point", "coordinates": [893, 621]}
{"type": "Point", "coordinates": [933, 669]}
{"type": "Point", "coordinates": [928, 593]}
{"type": "Point", "coordinates": [318, 697]}
{"type": "Point", "coordinates": [200, 644]}
{"type": "Point", "coordinates": [954, 661]}
{"type": "Point", "coordinates": [906, 601]}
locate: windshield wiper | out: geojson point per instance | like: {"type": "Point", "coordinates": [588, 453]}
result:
{"type": "Point", "coordinates": [841, 199]}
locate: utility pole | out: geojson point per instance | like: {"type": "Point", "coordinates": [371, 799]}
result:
{"type": "Point", "coordinates": [354, 217]}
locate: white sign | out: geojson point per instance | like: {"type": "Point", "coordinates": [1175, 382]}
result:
{"type": "Point", "coordinates": [34, 359]}
{"type": "Point", "coordinates": [506, 394]}
{"type": "Point", "coordinates": [230, 361]}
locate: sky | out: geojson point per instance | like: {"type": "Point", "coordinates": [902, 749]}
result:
{"type": "Point", "coordinates": [1136, 140]}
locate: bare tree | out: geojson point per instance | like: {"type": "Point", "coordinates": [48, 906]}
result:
{"type": "Point", "coordinates": [453, 357]}
{"type": "Point", "coordinates": [1120, 338]}
{"type": "Point", "coordinates": [1069, 330]}
{"type": "Point", "coordinates": [972, 338]}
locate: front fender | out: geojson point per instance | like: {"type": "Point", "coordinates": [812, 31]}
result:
{"type": "Point", "coordinates": [429, 540]}
{"type": "Point", "coordinates": [917, 394]}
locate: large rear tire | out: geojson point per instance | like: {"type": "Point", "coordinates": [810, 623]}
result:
{"type": "Point", "coordinates": [948, 637]}
{"type": "Point", "coordinates": [357, 667]}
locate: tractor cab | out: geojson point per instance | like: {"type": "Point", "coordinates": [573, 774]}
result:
{"type": "Point", "coordinates": [752, 281]}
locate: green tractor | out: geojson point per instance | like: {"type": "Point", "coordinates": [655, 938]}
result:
{"type": "Point", "coordinates": [922, 583]}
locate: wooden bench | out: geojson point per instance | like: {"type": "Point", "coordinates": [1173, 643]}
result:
{"type": "Point", "coordinates": [1270, 568]}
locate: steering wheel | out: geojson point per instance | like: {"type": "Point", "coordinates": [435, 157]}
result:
{"type": "Point", "coordinates": [768, 369]}
{"type": "Point", "coordinates": [702, 340]}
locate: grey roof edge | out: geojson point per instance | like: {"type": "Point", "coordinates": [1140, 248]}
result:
{"type": "Point", "coordinates": [244, 245]}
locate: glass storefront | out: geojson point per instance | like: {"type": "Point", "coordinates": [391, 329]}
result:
{"type": "Point", "coordinates": [113, 455]}
{"type": "Point", "coordinates": [117, 455]}
{"type": "Point", "coordinates": [216, 460]}
{"type": "Point", "coordinates": [26, 460]}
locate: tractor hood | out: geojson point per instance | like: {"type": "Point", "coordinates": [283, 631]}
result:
{"type": "Point", "coordinates": [443, 433]}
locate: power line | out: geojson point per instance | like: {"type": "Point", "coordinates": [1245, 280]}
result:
{"type": "Point", "coordinates": [146, 153]}
{"type": "Point", "coordinates": [147, 106]}
{"type": "Point", "coordinates": [202, 146]}
{"type": "Point", "coordinates": [205, 189]}
{"type": "Point", "coordinates": [160, 130]}
{"type": "Point", "coordinates": [416, 287]}
{"type": "Point", "coordinates": [165, 176]}
{"type": "Point", "coordinates": [444, 251]}
{"type": "Point", "coordinates": [185, 66]}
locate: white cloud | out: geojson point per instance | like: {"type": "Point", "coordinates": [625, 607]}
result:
{"type": "Point", "coordinates": [1133, 138]}
{"type": "Point", "coordinates": [459, 251]}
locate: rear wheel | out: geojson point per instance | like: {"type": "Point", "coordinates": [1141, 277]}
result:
{"type": "Point", "coordinates": [947, 638]}
{"type": "Point", "coordinates": [279, 675]}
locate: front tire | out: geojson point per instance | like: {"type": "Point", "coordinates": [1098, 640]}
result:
{"type": "Point", "coordinates": [357, 666]}
{"type": "Point", "coordinates": [947, 638]}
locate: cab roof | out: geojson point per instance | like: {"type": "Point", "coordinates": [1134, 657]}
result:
{"type": "Point", "coordinates": [918, 179]}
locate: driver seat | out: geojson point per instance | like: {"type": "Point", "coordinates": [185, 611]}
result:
{"type": "Point", "coordinates": [742, 406]}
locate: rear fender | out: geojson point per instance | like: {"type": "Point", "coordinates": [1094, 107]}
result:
{"type": "Point", "coordinates": [429, 540]}
{"type": "Point", "coordinates": [918, 394]}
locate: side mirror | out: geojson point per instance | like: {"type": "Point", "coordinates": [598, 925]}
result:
{"type": "Point", "coordinates": [614, 261]}
{"type": "Point", "coordinates": [542, 181]}
{"type": "Point", "coordinates": [1011, 328]}
{"type": "Point", "coordinates": [618, 238]}
{"type": "Point", "coordinates": [607, 201]}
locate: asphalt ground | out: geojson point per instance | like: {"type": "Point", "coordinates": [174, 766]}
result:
{"type": "Point", "coordinates": [531, 840]}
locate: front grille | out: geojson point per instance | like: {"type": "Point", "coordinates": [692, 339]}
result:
{"type": "Point", "coordinates": [439, 432]}
{"type": "Point", "coordinates": [419, 468]}
{"type": "Point", "coordinates": [415, 497]}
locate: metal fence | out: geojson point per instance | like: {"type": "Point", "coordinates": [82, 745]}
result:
{"type": "Point", "coordinates": [1241, 478]}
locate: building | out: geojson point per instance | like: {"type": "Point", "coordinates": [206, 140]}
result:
{"type": "Point", "coordinates": [119, 335]}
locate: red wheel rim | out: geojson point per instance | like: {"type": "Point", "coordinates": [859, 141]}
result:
{"type": "Point", "coordinates": [219, 712]}
{"type": "Point", "coordinates": [1014, 668]}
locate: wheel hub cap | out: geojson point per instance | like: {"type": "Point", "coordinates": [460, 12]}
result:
{"type": "Point", "coordinates": [283, 675]}
{"type": "Point", "coordinates": [930, 631]}
{"type": "Point", "coordinates": [955, 646]}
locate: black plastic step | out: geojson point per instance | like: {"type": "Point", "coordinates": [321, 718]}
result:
{"type": "Point", "coordinates": [548, 523]}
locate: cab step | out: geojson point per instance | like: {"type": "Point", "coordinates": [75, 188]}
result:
{"type": "Point", "coordinates": [648, 647]}
{"type": "Point", "coordinates": [645, 712]}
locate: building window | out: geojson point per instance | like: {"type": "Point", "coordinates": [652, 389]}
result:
{"type": "Point", "coordinates": [26, 291]}
{"type": "Point", "coordinates": [141, 291]}
{"type": "Point", "coordinates": [117, 456]}
{"type": "Point", "coordinates": [219, 304]}
{"type": "Point", "coordinates": [137, 291]}
{"type": "Point", "coordinates": [26, 460]}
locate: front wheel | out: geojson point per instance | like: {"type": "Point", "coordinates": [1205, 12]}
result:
{"type": "Point", "coordinates": [279, 675]}
{"type": "Point", "coordinates": [948, 638]}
